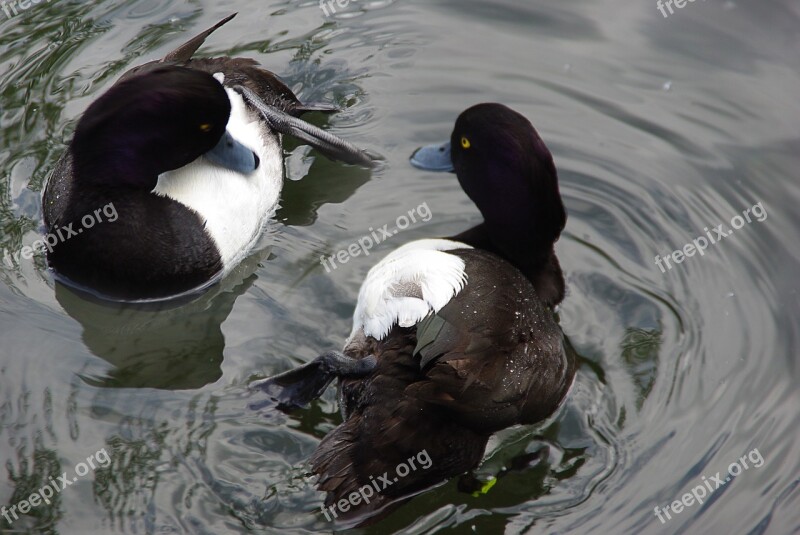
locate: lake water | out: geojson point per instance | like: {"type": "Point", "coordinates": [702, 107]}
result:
{"type": "Point", "coordinates": [660, 127]}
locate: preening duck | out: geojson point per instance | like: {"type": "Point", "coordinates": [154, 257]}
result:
{"type": "Point", "coordinates": [173, 173]}
{"type": "Point", "coordinates": [453, 339]}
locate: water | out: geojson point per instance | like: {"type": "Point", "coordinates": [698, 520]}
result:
{"type": "Point", "coordinates": [660, 127]}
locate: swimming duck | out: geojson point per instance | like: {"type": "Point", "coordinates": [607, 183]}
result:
{"type": "Point", "coordinates": [173, 173]}
{"type": "Point", "coordinates": [453, 339]}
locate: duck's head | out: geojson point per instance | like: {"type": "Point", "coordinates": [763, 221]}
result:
{"type": "Point", "coordinates": [155, 122]}
{"type": "Point", "coordinates": [508, 172]}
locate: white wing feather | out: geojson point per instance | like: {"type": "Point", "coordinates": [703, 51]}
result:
{"type": "Point", "coordinates": [410, 283]}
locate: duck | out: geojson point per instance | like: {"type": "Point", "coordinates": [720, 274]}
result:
{"type": "Point", "coordinates": [454, 338]}
{"type": "Point", "coordinates": [173, 173]}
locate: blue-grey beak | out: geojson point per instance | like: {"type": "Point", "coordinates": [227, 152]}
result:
{"type": "Point", "coordinates": [232, 155]}
{"type": "Point", "coordinates": [433, 158]}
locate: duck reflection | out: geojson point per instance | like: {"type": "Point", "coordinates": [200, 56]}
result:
{"type": "Point", "coordinates": [173, 345]}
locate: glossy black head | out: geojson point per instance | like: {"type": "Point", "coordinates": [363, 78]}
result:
{"type": "Point", "coordinates": [508, 172]}
{"type": "Point", "coordinates": [148, 124]}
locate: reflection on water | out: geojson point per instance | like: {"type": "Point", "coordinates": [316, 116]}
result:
{"type": "Point", "coordinates": [156, 346]}
{"type": "Point", "coordinates": [659, 128]}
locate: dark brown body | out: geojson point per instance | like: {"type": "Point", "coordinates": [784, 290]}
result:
{"type": "Point", "coordinates": [483, 363]}
{"type": "Point", "coordinates": [492, 356]}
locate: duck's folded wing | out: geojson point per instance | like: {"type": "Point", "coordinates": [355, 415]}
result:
{"type": "Point", "coordinates": [481, 352]}
{"type": "Point", "coordinates": [467, 366]}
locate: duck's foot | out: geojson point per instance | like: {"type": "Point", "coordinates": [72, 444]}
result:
{"type": "Point", "coordinates": [470, 484]}
{"type": "Point", "coordinates": [300, 386]}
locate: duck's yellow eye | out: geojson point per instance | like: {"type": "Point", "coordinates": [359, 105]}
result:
{"type": "Point", "coordinates": [205, 127]}
{"type": "Point", "coordinates": [465, 142]}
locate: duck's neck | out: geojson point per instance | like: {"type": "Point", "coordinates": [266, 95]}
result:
{"type": "Point", "coordinates": [541, 268]}
{"type": "Point", "coordinates": [525, 236]}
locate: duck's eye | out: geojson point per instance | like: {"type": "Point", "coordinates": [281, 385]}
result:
{"type": "Point", "coordinates": [465, 142]}
{"type": "Point", "coordinates": [205, 127]}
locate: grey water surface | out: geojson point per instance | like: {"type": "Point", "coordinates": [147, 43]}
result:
{"type": "Point", "coordinates": [660, 127]}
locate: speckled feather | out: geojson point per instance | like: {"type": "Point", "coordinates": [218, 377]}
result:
{"type": "Point", "coordinates": [487, 358]}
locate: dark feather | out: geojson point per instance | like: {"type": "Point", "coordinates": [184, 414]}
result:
{"type": "Point", "coordinates": [444, 386]}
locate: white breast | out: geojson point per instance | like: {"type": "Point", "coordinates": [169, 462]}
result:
{"type": "Point", "coordinates": [410, 283]}
{"type": "Point", "coordinates": [234, 206]}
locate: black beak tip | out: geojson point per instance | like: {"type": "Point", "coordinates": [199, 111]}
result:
{"type": "Point", "coordinates": [256, 161]}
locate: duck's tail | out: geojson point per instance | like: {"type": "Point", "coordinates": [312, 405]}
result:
{"type": "Point", "coordinates": [184, 53]}
{"type": "Point", "coordinates": [366, 477]}
{"type": "Point", "coordinates": [383, 456]}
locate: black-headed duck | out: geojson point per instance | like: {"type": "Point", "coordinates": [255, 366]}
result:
{"type": "Point", "coordinates": [173, 173]}
{"type": "Point", "coordinates": [453, 339]}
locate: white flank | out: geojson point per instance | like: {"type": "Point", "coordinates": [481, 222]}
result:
{"type": "Point", "coordinates": [234, 206]}
{"type": "Point", "coordinates": [410, 283]}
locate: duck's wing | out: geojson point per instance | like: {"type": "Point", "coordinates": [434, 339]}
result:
{"type": "Point", "coordinates": [237, 71]}
{"type": "Point", "coordinates": [246, 72]}
{"type": "Point", "coordinates": [494, 355]}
